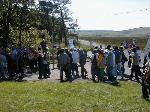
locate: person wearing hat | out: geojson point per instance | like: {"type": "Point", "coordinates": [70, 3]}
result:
{"type": "Point", "coordinates": [63, 60]}
{"type": "Point", "coordinates": [46, 64]}
{"type": "Point", "coordinates": [135, 65]}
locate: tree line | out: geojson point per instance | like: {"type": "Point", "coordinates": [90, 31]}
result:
{"type": "Point", "coordinates": [25, 22]}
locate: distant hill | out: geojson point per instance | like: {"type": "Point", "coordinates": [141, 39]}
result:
{"type": "Point", "coordinates": [136, 32]}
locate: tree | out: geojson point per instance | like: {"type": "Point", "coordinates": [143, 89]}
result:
{"type": "Point", "coordinates": [16, 15]}
{"type": "Point", "coordinates": [5, 20]}
{"type": "Point", "coordinates": [64, 13]}
{"type": "Point", "coordinates": [19, 17]}
{"type": "Point", "coordinates": [73, 27]}
{"type": "Point", "coordinates": [25, 16]}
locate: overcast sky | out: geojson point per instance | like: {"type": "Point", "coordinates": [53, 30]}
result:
{"type": "Point", "coordinates": [111, 14]}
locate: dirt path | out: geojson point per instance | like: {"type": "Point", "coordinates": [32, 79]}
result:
{"type": "Point", "coordinates": [55, 74]}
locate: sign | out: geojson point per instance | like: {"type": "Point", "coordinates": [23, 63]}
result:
{"type": "Point", "coordinates": [147, 48]}
{"type": "Point", "coordinates": [71, 43]}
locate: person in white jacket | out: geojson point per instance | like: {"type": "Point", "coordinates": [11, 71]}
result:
{"type": "Point", "coordinates": [75, 57]}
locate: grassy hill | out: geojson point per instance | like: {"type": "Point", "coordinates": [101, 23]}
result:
{"type": "Point", "coordinates": [136, 32]}
{"type": "Point", "coordinates": [71, 97]}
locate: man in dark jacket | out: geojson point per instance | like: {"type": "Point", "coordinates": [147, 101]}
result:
{"type": "Point", "coordinates": [63, 60]}
{"type": "Point", "coordinates": [82, 61]}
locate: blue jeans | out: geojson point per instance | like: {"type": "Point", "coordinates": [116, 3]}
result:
{"type": "Point", "coordinates": [118, 69]}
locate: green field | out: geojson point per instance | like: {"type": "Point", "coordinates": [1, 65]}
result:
{"type": "Point", "coordinates": [71, 97]}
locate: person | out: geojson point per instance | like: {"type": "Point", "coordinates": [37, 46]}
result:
{"type": "Point", "coordinates": [40, 63]}
{"type": "Point", "coordinates": [58, 52]}
{"type": "Point", "coordinates": [126, 44]}
{"type": "Point", "coordinates": [118, 57]}
{"type": "Point", "coordinates": [68, 74]}
{"type": "Point", "coordinates": [111, 64]}
{"type": "Point", "coordinates": [11, 66]}
{"type": "Point", "coordinates": [34, 55]}
{"type": "Point", "coordinates": [146, 80]}
{"type": "Point", "coordinates": [135, 65]}
{"type": "Point", "coordinates": [3, 65]}
{"type": "Point", "coordinates": [94, 64]}
{"type": "Point", "coordinates": [46, 64]}
{"type": "Point", "coordinates": [101, 62]}
{"type": "Point", "coordinates": [146, 58]}
{"type": "Point", "coordinates": [43, 45]}
{"type": "Point", "coordinates": [130, 55]}
{"type": "Point", "coordinates": [135, 43]}
{"type": "Point", "coordinates": [20, 63]}
{"type": "Point", "coordinates": [14, 53]}
{"type": "Point", "coordinates": [75, 57]}
{"type": "Point", "coordinates": [123, 60]}
{"type": "Point", "coordinates": [82, 62]}
{"type": "Point", "coordinates": [63, 60]}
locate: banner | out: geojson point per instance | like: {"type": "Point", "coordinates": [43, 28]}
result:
{"type": "Point", "coordinates": [71, 43]}
{"type": "Point", "coordinates": [147, 48]}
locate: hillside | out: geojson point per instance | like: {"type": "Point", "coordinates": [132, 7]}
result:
{"type": "Point", "coordinates": [136, 32]}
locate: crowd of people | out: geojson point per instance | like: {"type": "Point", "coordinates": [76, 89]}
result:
{"type": "Point", "coordinates": [16, 62]}
{"type": "Point", "coordinates": [68, 63]}
{"type": "Point", "coordinates": [106, 64]}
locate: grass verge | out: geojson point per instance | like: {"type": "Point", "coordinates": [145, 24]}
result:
{"type": "Point", "coordinates": [71, 97]}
